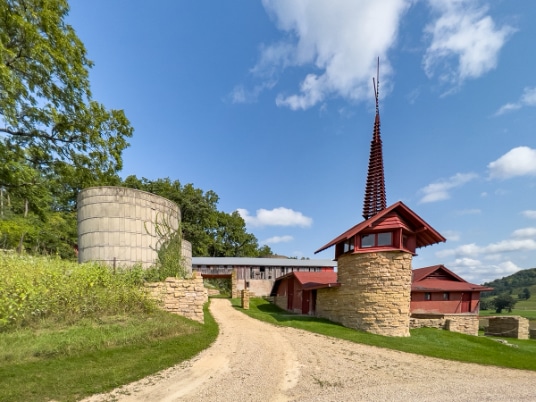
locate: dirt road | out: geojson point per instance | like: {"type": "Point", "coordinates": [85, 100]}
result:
{"type": "Point", "coordinates": [254, 361]}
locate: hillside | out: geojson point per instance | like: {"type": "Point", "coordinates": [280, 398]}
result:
{"type": "Point", "coordinates": [514, 283]}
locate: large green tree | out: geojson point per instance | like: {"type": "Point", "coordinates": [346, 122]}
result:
{"type": "Point", "coordinates": [48, 118]}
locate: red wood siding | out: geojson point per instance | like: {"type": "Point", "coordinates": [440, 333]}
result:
{"type": "Point", "coordinates": [459, 302]}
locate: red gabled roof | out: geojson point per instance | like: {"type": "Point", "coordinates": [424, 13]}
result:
{"type": "Point", "coordinates": [438, 278]}
{"type": "Point", "coordinates": [426, 235]}
{"type": "Point", "coordinates": [310, 280]}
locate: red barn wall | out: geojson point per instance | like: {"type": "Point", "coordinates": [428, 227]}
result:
{"type": "Point", "coordinates": [455, 304]}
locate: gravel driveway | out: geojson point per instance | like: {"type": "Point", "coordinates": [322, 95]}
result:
{"type": "Point", "coordinates": [255, 361]}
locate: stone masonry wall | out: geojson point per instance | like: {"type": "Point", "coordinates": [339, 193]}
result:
{"type": "Point", "coordinates": [508, 327]}
{"type": "Point", "coordinates": [374, 295]}
{"type": "Point", "coordinates": [281, 301]}
{"type": "Point", "coordinates": [462, 323]}
{"type": "Point", "coordinates": [185, 297]}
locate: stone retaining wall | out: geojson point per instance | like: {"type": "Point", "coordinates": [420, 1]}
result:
{"type": "Point", "coordinates": [508, 327]}
{"type": "Point", "coordinates": [374, 295]}
{"type": "Point", "coordinates": [185, 297]}
{"type": "Point", "coordinates": [462, 323]}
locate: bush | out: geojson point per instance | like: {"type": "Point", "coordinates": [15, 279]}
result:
{"type": "Point", "coordinates": [33, 288]}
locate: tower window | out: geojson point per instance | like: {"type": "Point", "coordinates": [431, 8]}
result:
{"type": "Point", "coordinates": [377, 240]}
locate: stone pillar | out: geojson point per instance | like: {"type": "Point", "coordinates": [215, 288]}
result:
{"type": "Point", "coordinates": [375, 292]}
{"type": "Point", "coordinates": [234, 289]}
{"type": "Point", "coordinates": [245, 299]}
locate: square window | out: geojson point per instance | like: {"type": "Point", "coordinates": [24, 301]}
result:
{"type": "Point", "coordinates": [446, 296]}
{"type": "Point", "coordinates": [427, 296]}
{"type": "Point", "coordinates": [367, 240]}
{"type": "Point", "coordinates": [385, 239]}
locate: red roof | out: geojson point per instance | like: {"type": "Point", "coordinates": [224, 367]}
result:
{"type": "Point", "coordinates": [311, 280]}
{"type": "Point", "coordinates": [426, 235]}
{"type": "Point", "coordinates": [438, 278]}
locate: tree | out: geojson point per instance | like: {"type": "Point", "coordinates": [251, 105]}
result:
{"type": "Point", "coordinates": [503, 301]}
{"type": "Point", "coordinates": [524, 294]}
{"type": "Point", "coordinates": [47, 115]}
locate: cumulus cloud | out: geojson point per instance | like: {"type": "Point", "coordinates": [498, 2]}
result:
{"type": "Point", "coordinates": [528, 98]}
{"type": "Point", "coordinates": [278, 239]}
{"type": "Point", "coordinates": [524, 232]}
{"type": "Point", "coordinates": [520, 161]}
{"type": "Point", "coordinates": [472, 250]}
{"type": "Point", "coordinates": [275, 217]}
{"type": "Point", "coordinates": [339, 40]}
{"type": "Point", "coordinates": [531, 214]}
{"type": "Point", "coordinates": [477, 272]}
{"type": "Point", "coordinates": [439, 190]}
{"type": "Point", "coordinates": [465, 42]}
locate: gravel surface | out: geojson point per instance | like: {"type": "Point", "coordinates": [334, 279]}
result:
{"type": "Point", "coordinates": [255, 361]}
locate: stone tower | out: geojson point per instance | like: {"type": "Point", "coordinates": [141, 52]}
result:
{"type": "Point", "coordinates": [374, 258]}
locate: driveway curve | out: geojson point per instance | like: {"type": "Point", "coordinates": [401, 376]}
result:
{"type": "Point", "coordinates": [255, 361]}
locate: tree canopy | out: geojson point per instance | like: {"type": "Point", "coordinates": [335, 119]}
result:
{"type": "Point", "coordinates": [48, 118]}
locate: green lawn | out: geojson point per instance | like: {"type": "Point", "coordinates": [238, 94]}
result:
{"type": "Point", "coordinates": [70, 362]}
{"type": "Point", "coordinates": [423, 341]}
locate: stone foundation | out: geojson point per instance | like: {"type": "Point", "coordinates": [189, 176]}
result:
{"type": "Point", "coordinates": [462, 323]}
{"type": "Point", "coordinates": [508, 327]}
{"type": "Point", "coordinates": [185, 297]}
{"type": "Point", "coordinates": [374, 295]}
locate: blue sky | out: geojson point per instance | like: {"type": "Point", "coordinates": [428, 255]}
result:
{"type": "Point", "coordinates": [270, 104]}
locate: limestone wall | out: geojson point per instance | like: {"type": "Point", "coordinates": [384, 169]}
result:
{"type": "Point", "coordinates": [185, 297]}
{"type": "Point", "coordinates": [374, 295]}
{"type": "Point", "coordinates": [508, 327]}
{"type": "Point", "coordinates": [462, 323]}
{"type": "Point", "coordinates": [257, 287]}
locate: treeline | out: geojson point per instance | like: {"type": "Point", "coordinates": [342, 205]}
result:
{"type": "Point", "coordinates": [48, 225]}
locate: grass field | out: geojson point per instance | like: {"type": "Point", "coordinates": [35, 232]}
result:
{"type": "Point", "coordinates": [423, 341]}
{"type": "Point", "coordinates": [71, 330]}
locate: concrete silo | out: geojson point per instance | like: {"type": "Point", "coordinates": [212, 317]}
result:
{"type": "Point", "coordinates": [118, 225]}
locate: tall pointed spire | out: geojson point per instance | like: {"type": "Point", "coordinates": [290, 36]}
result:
{"type": "Point", "coordinates": [375, 199]}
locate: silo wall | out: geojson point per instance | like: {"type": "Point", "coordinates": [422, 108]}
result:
{"type": "Point", "coordinates": [116, 225]}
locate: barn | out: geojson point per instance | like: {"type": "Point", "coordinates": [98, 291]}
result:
{"type": "Point", "coordinates": [437, 289]}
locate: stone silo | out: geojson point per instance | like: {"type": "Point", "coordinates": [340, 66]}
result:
{"type": "Point", "coordinates": [118, 225]}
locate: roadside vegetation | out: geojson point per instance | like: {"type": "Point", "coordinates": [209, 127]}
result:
{"type": "Point", "coordinates": [68, 331]}
{"type": "Point", "coordinates": [519, 354]}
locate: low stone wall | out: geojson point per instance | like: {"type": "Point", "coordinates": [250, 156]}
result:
{"type": "Point", "coordinates": [185, 297]}
{"type": "Point", "coordinates": [462, 323]}
{"type": "Point", "coordinates": [532, 333]}
{"type": "Point", "coordinates": [281, 301]}
{"type": "Point", "coordinates": [508, 327]}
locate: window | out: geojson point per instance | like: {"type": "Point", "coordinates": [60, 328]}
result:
{"type": "Point", "coordinates": [385, 239]}
{"type": "Point", "coordinates": [377, 240]}
{"type": "Point", "coordinates": [427, 296]}
{"type": "Point", "coordinates": [446, 296]}
{"type": "Point", "coordinates": [349, 245]}
{"type": "Point", "coordinates": [367, 240]}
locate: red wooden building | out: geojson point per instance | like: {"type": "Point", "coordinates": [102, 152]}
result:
{"type": "Point", "coordinates": [436, 289]}
{"type": "Point", "coordinates": [296, 291]}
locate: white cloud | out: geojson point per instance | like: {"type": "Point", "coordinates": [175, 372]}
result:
{"type": "Point", "coordinates": [466, 262]}
{"type": "Point", "coordinates": [439, 190]}
{"type": "Point", "coordinates": [518, 161]}
{"type": "Point", "coordinates": [340, 40]}
{"type": "Point", "coordinates": [451, 235]}
{"type": "Point", "coordinates": [472, 250]}
{"type": "Point", "coordinates": [525, 232]}
{"type": "Point", "coordinates": [278, 239]}
{"type": "Point", "coordinates": [276, 217]}
{"type": "Point", "coordinates": [465, 42]}
{"type": "Point", "coordinates": [241, 94]}
{"type": "Point", "coordinates": [527, 99]}
{"type": "Point", "coordinates": [531, 214]}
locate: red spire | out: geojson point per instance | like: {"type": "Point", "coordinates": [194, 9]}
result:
{"type": "Point", "coordinates": [375, 200]}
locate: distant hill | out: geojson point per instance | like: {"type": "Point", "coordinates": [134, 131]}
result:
{"type": "Point", "coordinates": [512, 284]}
